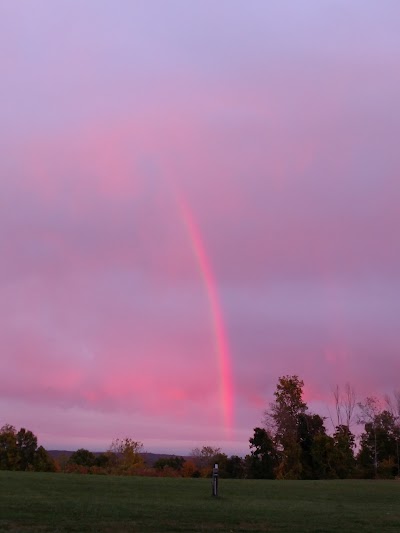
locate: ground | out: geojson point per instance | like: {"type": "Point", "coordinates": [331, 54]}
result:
{"type": "Point", "coordinates": [77, 503]}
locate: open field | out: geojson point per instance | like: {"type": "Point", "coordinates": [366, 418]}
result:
{"type": "Point", "coordinates": [61, 502]}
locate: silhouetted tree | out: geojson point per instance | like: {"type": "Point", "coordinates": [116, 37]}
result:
{"type": "Point", "coordinates": [369, 411]}
{"type": "Point", "coordinates": [26, 446]}
{"type": "Point", "coordinates": [263, 458]}
{"type": "Point", "coordinates": [42, 461]}
{"type": "Point", "coordinates": [282, 419]}
{"type": "Point", "coordinates": [106, 460]}
{"type": "Point", "coordinates": [343, 457]}
{"type": "Point", "coordinates": [8, 448]}
{"type": "Point", "coordinates": [235, 467]}
{"type": "Point", "coordinates": [82, 457]}
{"type": "Point", "coordinates": [174, 462]}
{"type": "Point", "coordinates": [378, 446]}
{"type": "Point", "coordinates": [393, 406]}
{"type": "Point", "coordinates": [315, 446]}
{"type": "Point", "coordinates": [19, 451]}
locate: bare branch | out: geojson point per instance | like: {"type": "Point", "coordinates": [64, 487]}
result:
{"type": "Point", "coordinates": [349, 403]}
{"type": "Point", "coordinates": [336, 396]}
{"type": "Point", "coordinates": [369, 410]}
{"type": "Point", "coordinates": [331, 418]}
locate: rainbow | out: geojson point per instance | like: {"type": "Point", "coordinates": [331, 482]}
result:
{"type": "Point", "coordinates": [221, 338]}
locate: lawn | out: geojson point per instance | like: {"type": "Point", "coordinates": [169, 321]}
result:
{"type": "Point", "coordinates": [67, 502]}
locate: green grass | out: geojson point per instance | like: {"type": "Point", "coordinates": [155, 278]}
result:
{"type": "Point", "coordinates": [67, 503]}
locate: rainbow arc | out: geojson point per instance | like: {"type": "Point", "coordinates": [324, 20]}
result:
{"type": "Point", "coordinates": [221, 338]}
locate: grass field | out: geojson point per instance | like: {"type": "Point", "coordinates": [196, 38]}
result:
{"type": "Point", "coordinates": [62, 502]}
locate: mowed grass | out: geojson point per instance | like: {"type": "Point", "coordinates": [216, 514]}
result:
{"type": "Point", "coordinates": [61, 502]}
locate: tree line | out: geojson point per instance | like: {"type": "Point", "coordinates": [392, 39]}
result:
{"type": "Point", "coordinates": [293, 443]}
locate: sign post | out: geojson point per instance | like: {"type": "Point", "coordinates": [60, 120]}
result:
{"type": "Point", "coordinates": [215, 480]}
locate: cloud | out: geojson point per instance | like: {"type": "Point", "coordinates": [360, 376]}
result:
{"type": "Point", "coordinates": [279, 131]}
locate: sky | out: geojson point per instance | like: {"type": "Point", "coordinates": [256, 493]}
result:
{"type": "Point", "coordinates": [196, 198]}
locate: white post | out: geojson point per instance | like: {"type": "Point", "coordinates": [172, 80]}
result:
{"type": "Point", "coordinates": [215, 480]}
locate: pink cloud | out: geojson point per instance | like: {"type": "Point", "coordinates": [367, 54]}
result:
{"type": "Point", "coordinates": [287, 155]}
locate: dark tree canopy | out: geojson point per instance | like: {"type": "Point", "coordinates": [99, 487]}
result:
{"type": "Point", "coordinates": [82, 457]}
{"type": "Point", "coordinates": [263, 459]}
{"type": "Point", "coordinates": [19, 451]}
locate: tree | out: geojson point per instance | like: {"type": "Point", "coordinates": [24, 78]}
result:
{"type": "Point", "coordinates": [42, 461]}
{"type": "Point", "coordinates": [263, 458]}
{"type": "Point", "coordinates": [18, 450]}
{"type": "Point", "coordinates": [345, 403]}
{"type": "Point", "coordinates": [129, 453]}
{"type": "Point", "coordinates": [205, 457]}
{"type": "Point", "coordinates": [344, 445]}
{"type": "Point", "coordinates": [174, 462]}
{"type": "Point", "coordinates": [393, 405]}
{"type": "Point", "coordinates": [82, 457]}
{"type": "Point", "coordinates": [314, 445]}
{"type": "Point", "coordinates": [26, 445]}
{"type": "Point", "coordinates": [235, 467]}
{"type": "Point", "coordinates": [349, 403]}
{"type": "Point", "coordinates": [8, 448]}
{"type": "Point", "coordinates": [322, 457]}
{"type": "Point", "coordinates": [369, 410]}
{"type": "Point", "coordinates": [282, 419]}
{"type": "Point", "coordinates": [378, 447]}
{"type": "Point", "coordinates": [106, 460]}
{"type": "Point", "coordinates": [190, 469]}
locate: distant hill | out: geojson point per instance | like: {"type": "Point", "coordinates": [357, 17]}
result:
{"type": "Point", "coordinates": [149, 458]}
{"type": "Point", "coordinates": [56, 454]}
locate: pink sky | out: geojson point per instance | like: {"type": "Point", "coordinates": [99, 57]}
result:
{"type": "Point", "coordinates": [277, 123]}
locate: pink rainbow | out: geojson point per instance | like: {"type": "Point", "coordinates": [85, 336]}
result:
{"type": "Point", "coordinates": [221, 338]}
